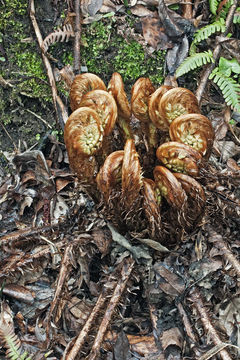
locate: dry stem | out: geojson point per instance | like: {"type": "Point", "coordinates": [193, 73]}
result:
{"type": "Point", "coordinates": [196, 298]}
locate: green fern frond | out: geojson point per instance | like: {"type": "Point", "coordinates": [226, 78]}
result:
{"type": "Point", "coordinates": [225, 9]}
{"type": "Point", "coordinates": [213, 5]}
{"type": "Point", "coordinates": [194, 61]}
{"type": "Point", "coordinates": [229, 87]}
{"type": "Point", "coordinates": [206, 31]}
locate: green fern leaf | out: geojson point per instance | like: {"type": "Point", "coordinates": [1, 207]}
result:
{"type": "Point", "coordinates": [224, 11]}
{"type": "Point", "coordinates": [213, 5]}
{"type": "Point", "coordinates": [194, 61]}
{"type": "Point", "coordinates": [229, 87]}
{"type": "Point", "coordinates": [206, 31]}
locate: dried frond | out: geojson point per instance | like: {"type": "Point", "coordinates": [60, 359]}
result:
{"type": "Point", "coordinates": [58, 35]}
{"type": "Point", "coordinates": [8, 337]}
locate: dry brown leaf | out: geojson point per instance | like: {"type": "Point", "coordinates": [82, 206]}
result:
{"type": "Point", "coordinates": [227, 149]}
{"type": "Point", "coordinates": [173, 284]}
{"type": "Point", "coordinates": [172, 336]}
{"type": "Point", "coordinates": [90, 7]}
{"type": "Point", "coordinates": [140, 10]}
{"type": "Point", "coordinates": [153, 33]}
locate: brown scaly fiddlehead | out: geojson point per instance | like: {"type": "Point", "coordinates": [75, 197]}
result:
{"type": "Point", "coordinates": [175, 102]}
{"type": "Point", "coordinates": [116, 88]}
{"type": "Point", "coordinates": [179, 157]}
{"type": "Point", "coordinates": [141, 91]}
{"type": "Point", "coordinates": [83, 137]}
{"type": "Point", "coordinates": [153, 108]}
{"type": "Point", "coordinates": [194, 130]}
{"type": "Point", "coordinates": [82, 84]}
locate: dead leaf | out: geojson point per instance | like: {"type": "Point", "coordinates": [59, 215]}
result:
{"type": "Point", "coordinates": [153, 33]}
{"type": "Point", "coordinates": [229, 318]}
{"type": "Point", "coordinates": [19, 292]}
{"type": "Point", "coordinates": [172, 336]}
{"type": "Point", "coordinates": [232, 165]}
{"type": "Point", "coordinates": [227, 149]}
{"type": "Point", "coordinates": [140, 10]}
{"type": "Point", "coordinates": [172, 285]}
{"type": "Point", "coordinates": [90, 7]}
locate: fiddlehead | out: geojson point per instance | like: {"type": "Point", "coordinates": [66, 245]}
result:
{"type": "Point", "coordinates": [168, 187]}
{"type": "Point", "coordinates": [179, 158]}
{"type": "Point", "coordinates": [176, 102]}
{"type": "Point", "coordinates": [116, 88]}
{"type": "Point", "coordinates": [153, 107]}
{"type": "Point", "coordinates": [194, 130]}
{"type": "Point", "coordinates": [104, 105]}
{"type": "Point", "coordinates": [82, 84]}
{"type": "Point", "coordinates": [83, 137]}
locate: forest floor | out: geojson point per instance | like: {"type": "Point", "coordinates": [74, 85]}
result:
{"type": "Point", "coordinates": [76, 280]}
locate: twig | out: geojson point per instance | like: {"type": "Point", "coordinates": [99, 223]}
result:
{"type": "Point", "coordinates": [125, 273]}
{"type": "Point", "coordinates": [17, 235]}
{"type": "Point", "coordinates": [77, 30]}
{"type": "Point", "coordinates": [64, 271]}
{"type": "Point", "coordinates": [216, 53]}
{"type": "Point", "coordinates": [60, 109]}
{"type": "Point", "coordinates": [14, 145]}
{"type": "Point", "coordinates": [195, 297]}
{"type": "Point", "coordinates": [39, 117]}
{"type": "Point", "coordinates": [126, 269]}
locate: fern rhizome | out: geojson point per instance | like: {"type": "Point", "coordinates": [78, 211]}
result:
{"type": "Point", "coordinates": [227, 82]}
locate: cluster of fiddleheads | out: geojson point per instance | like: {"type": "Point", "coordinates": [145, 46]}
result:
{"type": "Point", "coordinates": [178, 141]}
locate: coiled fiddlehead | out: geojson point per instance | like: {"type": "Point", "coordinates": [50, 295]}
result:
{"type": "Point", "coordinates": [82, 84]}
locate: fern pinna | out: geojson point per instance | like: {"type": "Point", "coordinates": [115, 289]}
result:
{"type": "Point", "coordinates": [229, 87]}
{"type": "Point", "coordinates": [194, 61]}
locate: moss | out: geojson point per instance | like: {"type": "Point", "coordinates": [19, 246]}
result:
{"type": "Point", "coordinates": [103, 51]}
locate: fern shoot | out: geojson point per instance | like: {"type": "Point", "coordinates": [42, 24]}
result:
{"type": "Point", "coordinates": [194, 61]}
{"type": "Point", "coordinates": [229, 87]}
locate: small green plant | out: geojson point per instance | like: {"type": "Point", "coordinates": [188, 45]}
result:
{"type": "Point", "coordinates": [226, 74]}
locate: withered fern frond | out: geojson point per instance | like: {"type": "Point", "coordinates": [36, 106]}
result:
{"type": "Point", "coordinates": [8, 338]}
